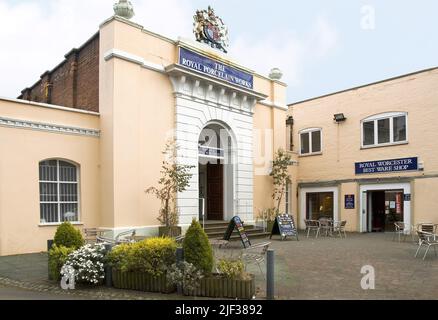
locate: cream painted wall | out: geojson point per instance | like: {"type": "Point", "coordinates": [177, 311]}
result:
{"type": "Point", "coordinates": [425, 204]}
{"type": "Point", "coordinates": [22, 150]}
{"type": "Point", "coordinates": [138, 114]}
{"type": "Point", "coordinates": [415, 94]}
{"type": "Point", "coordinates": [126, 115]}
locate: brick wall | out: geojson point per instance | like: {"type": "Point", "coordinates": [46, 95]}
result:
{"type": "Point", "coordinates": [73, 83]}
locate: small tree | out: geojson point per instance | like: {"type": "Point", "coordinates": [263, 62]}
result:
{"type": "Point", "coordinates": [280, 175]}
{"type": "Point", "coordinates": [175, 178]}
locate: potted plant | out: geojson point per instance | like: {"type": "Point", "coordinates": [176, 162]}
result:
{"type": "Point", "coordinates": [281, 177]}
{"type": "Point", "coordinates": [196, 276]}
{"type": "Point", "coordinates": [267, 216]}
{"type": "Point", "coordinates": [143, 266]}
{"type": "Point", "coordinates": [175, 178]}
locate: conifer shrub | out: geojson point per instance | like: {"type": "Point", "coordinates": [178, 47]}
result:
{"type": "Point", "coordinates": [197, 249]}
{"type": "Point", "coordinates": [68, 236]}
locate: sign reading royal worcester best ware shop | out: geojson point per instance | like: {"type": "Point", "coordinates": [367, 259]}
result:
{"type": "Point", "coordinates": [215, 69]}
{"type": "Point", "coordinates": [385, 166]}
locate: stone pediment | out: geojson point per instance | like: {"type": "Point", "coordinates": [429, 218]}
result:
{"type": "Point", "coordinates": [195, 85]}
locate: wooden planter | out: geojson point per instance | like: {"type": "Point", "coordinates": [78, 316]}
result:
{"type": "Point", "coordinates": [218, 287]}
{"type": "Point", "coordinates": [270, 226]}
{"type": "Point", "coordinates": [140, 281]}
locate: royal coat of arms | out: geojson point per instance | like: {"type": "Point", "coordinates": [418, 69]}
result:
{"type": "Point", "coordinates": [210, 29]}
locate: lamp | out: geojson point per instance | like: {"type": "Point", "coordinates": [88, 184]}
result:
{"type": "Point", "coordinates": [340, 117]}
{"type": "Point", "coordinates": [290, 121]}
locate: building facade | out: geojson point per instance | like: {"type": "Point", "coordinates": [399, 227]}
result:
{"type": "Point", "coordinates": [374, 165]}
{"type": "Point", "coordinates": [85, 142]}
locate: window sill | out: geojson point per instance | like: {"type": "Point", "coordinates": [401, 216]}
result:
{"type": "Point", "coordinates": [57, 224]}
{"type": "Point", "coordinates": [385, 145]}
{"type": "Point", "coordinates": [310, 154]}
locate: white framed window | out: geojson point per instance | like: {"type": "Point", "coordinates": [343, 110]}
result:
{"type": "Point", "coordinates": [385, 129]}
{"type": "Point", "coordinates": [59, 191]}
{"type": "Point", "coordinates": [311, 141]}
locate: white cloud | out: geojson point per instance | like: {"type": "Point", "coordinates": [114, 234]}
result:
{"type": "Point", "coordinates": [287, 51]}
{"type": "Point", "coordinates": [36, 34]}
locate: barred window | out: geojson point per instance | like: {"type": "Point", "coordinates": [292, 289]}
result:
{"type": "Point", "coordinates": [59, 196]}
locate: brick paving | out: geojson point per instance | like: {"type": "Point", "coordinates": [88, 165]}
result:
{"type": "Point", "coordinates": [329, 268]}
{"type": "Point", "coordinates": [324, 268]}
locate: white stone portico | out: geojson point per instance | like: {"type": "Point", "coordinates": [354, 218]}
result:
{"type": "Point", "coordinates": [201, 100]}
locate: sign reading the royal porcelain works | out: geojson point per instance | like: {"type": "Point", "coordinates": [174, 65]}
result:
{"type": "Point", "coordinates": [385, 166]}
{"type": "Point", "coordinates": [216, 69]}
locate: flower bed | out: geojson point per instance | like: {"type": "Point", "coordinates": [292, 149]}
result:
{"type": "Point", "coordinates": [218, 286]}
{"type": "Point", "coordinates": [141, 281]}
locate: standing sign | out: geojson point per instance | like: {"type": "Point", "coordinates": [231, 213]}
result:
{"type": "Point", "coordinates": [236, 223]}
{"type": "Point", "coordinates": [349, 201]}
{"type": "Point", "coordinates": [284, 226]}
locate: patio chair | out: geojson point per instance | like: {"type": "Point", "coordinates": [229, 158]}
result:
{"type": "Point", "coordinates": [427, 227]}
{"type": "Point", "coordinates": [123, 237]}
{"type": "Point", "coordinates": [256, 255]}
{"type": "Point", "coordinates": [326, 226]}
{"type": "Point", "coordinates": [312, 225]}
{"type": "Point", "coordinates": [90, 235]}
{"type": "Point", "coordinates": [400, 228]}
{"type": "Point", "coordinates": [339, 227]}
{"type": "Point", "coordinates": [426, 239]}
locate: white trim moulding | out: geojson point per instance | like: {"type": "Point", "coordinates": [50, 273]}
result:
{"type": "Point", "coordinates": [39, 126]}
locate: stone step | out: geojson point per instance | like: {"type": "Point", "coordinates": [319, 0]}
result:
{"type": "Point", "coordinates": [219, 229]}
{"type": "Point", "coordinates": [252, 236]}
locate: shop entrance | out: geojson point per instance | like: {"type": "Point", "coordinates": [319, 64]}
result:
{"type": "Point", "coordinates": [381, 205]}
{"type": "Point", "coordinates": [385, 207]}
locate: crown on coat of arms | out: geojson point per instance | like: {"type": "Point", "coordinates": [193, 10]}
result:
{"type": "Point", "coordinates": [210, 29]}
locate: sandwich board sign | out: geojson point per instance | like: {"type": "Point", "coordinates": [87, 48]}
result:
{"type": "Point", "coordinates": [284, 226]}
{"type": "Point", "coordinates": [236, 223]}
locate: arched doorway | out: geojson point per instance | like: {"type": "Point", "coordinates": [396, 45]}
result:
{"type": "Point", "coordinates": [216, 172]}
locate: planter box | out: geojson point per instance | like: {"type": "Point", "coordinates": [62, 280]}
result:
{"type": "Point", "coordinates": [140, 281]}
{"type": "Point", "coordinates": [171, 232]}
{"type": "Point", "coordinates": [219, 287]}
{"type": "Point", "coordinates": [270, 226]}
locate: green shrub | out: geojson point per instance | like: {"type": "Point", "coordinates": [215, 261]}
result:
{"type": "Point", "coordinates": [57, 257]}
{"type": "Point", "coordinates": [66, 235]}
{"type": "Point", "coordinates": [119, 256]}
{"type": "Point", "coordinates": [231, 269]}
{"type": "Point", "coordinates": [197, 249]}
{"type": "Point", "coordinates": [153, 256]}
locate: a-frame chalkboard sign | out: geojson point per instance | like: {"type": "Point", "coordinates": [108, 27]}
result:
{"type": "Point", "coordinates": [284, 226]}
{"type": "Point", "coordinates": [236, 223]}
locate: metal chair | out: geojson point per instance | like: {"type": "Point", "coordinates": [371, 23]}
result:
{"type": "Point", "coordinates": [123, 237]}
{"type": "Point", "coordinates": [426, 239]}
{"type": "Point", "coordinates": [427, 227]}
{"type": "Point", "coordinates": [312, 225]}
{"type": "Point", "coordinates": [339, 227]}
{"type": "Point", "coordinates": [256, 255]}
{"type": "Point", "coordinates": [326, 226]}
{"type": "Point", "coordinates": [400, 228]}
{"type": "Point", "coordinates": [91, 234]}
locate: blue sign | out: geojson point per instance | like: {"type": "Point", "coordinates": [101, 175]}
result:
{"type": "Point", "coordinates": [349, 201]}
{"type": "Point", "coordinates": [385, 166]}
{"type": "Point", "coordinates": [215, 69]}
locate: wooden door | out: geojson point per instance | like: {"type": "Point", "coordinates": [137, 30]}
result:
{"type": "Point", "coordinates": [215, 192]}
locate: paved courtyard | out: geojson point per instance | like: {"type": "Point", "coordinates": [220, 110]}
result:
{"type": "Point", "coordinates": [324, 268]}
{"type": "Point", "coordinates": [330, 268]}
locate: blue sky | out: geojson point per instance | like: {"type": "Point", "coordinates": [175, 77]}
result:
{"type": "Point", "coordinates": [320, 45]}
